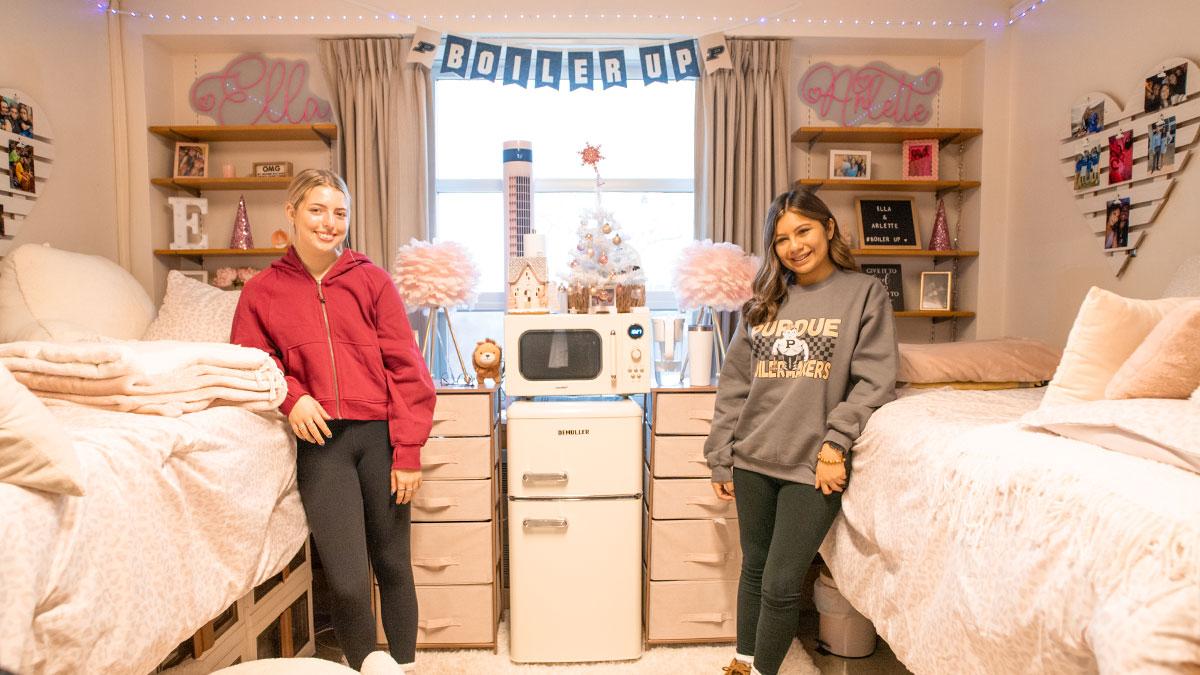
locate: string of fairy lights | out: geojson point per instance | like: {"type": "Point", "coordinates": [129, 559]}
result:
{"type": "Point", "coordinates": [718, 22]}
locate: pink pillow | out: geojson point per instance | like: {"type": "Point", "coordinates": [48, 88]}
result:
{"type": "Point", "coordinates": [1003, 360]}
{"type": "Point", "coordinates": [1167, 363]}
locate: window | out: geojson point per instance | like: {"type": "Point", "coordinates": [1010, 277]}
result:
{"type": "Point", "coordinates": [647, 137]}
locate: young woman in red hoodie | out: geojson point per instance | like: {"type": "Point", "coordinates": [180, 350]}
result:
{"type": "Point", "coordinates": [360, 401]}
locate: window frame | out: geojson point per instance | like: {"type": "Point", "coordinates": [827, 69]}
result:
{"type": "Point", "coordinates": [496, 301]}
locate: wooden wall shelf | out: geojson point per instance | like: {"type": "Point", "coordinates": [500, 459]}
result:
{"type": "Point", "coordinates": [325, 132]}
{"type": "Point", "coordinates": [199, 254]}
{"type": "Point", "coordinates": [932, 314]}
{"type": "Point", "coordinates": [910, 253]}
{"type": "Point", "coordinates": [197, 185]}
{"type": "Point", "coordinates": [881, 134]}
{"type": "Point", "coordinates": [853, 184]}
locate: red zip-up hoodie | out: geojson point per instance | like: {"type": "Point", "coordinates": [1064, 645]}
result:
{"type": "Point", "coordinates": [346, 342]}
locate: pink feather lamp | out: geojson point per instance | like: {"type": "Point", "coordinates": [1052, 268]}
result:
{"type": "Point", "coordinates": [436, 276]}
{"type": "Point", "coordinates": [714, 276]}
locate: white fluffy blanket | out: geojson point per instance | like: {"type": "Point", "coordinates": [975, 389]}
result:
{"type": "Point", "coordinates": [182, 517]}
{"type": "Point", "coordinates": [156, 377]}
{"type": "Point", "coordinates": [979, 546]}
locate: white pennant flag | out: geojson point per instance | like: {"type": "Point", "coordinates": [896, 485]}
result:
{"type": "Point", "coordinates": [424, 47]}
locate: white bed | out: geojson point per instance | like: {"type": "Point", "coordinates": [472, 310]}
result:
{"type": "Point", "coordinates": [182, 516]}
{"type": "Point", "coordinates": [977, 545]}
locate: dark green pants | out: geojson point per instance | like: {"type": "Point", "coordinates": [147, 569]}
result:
{"type": "Point", "coordinates": [781, 525]}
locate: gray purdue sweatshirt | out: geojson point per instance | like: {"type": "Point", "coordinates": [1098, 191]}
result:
{"type": "Point", "coordinates": [814, 374]}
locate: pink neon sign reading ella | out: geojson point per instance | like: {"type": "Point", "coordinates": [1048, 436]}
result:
{"type": "Point", "coordinates": [872, 93]}
{"type": "Point", "coordinates": [254, 89]}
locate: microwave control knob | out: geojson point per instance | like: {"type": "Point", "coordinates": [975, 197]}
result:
{"type": "Point", "coordinates": [636, 355]}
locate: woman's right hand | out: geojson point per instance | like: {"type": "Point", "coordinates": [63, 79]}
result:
{"type": "Point", "coordinates": [724, 490]}
{"type": "Point", "coordinates": [308, 420]}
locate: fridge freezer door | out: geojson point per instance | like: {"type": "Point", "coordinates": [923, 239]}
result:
{"type": "Point", "coordinates": [574, 457]}
{"type": "Point", "coordinates": [575, 575]}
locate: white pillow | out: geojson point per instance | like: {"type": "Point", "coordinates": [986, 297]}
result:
{"type": "Point", "coordinates": [1107, 330]}
{"type": "Point", "coordinates": [49, 294]}
{"type": "Point", "coordinates": [193, 311]}
{"type": "Point", "coordinates": [1165, 430]}
{"type": "Point", "coordinates": [34, 450]}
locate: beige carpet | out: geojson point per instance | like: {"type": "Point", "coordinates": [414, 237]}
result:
{"type": "Point", "coordinates": [666, 660]}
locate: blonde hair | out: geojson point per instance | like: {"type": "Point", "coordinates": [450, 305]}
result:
{"type": "Point", "coordinates": [308, 179]}
{"type": "Point", "coordinates": [771, 282]}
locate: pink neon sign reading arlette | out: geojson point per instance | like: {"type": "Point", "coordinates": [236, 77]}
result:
{"type": "Point", "coordinates": [252, 89]}
{"type": "Point", "coordinates": [875, 92]}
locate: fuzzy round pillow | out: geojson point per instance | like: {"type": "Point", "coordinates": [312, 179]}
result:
{"type": "Point", "coordinates": [50, 294]}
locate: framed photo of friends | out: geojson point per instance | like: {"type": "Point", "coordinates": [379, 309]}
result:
{"type": "Point", "coordinates": [850, 164]}
{"type": "Point", "coordinates": [191, 160]}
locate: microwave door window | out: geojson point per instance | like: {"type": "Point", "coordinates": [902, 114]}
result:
{"type": "Point", "coordinates": [560, 355]}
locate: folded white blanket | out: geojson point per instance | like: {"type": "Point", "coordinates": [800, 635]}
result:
{"type": "Point", "coordinates": [156, 377]}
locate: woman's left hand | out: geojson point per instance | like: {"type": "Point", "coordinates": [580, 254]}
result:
{"type": "Point", "coordinates": [830, 478]}
{"type": "Point", "coordinates": [405, 484]}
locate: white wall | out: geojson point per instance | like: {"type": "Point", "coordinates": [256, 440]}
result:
{"type": "Point", "coordinates": [1067, 49]}
{"type": "Point", "coordinates": [57, 53]}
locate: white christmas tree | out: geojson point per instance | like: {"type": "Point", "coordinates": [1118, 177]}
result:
{"type": "Point", "coordinates": [602, 255]}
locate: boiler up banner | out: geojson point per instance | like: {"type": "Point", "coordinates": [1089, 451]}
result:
{"type": "Point", "coordinates": [479, 60]}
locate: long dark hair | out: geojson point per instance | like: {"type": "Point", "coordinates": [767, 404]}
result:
{"type": "Point", "coordinates": [771, 282]}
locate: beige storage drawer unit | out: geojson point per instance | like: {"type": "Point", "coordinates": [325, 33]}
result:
{"type": "Point", "coordinates": [455, 530]}
{"type": "Point", "coordinates": [692, 555]}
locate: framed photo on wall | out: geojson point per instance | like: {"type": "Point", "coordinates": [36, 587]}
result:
{"type": "Point", "coordinates": [191, 160]}
{"type": "Point", "coordinates": [936, 290]}
{"type": "Point", "coordinates": [850, 164]}
{"type": "Point", "coordinates": [887, 223]}
{"type": "Point", "coordinates": [920, 160]}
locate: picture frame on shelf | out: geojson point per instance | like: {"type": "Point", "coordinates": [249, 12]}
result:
{"type": "Point", "coordinates": [937, 288]}
{"type": "Point", "coordinates": [887, 222]}
{"type": "Point", "coordinates": [271, 169]}
{"type": "Point", "coordinates": [198, 275]}
{"type": "Point", "coordinates": [850, 164]}
{"type": "Point", "coordinates": [191, 160]}
{"type": "Point", "coordinates": [919, 159]}
{"type": "Point", "coordinates": [890, 275]}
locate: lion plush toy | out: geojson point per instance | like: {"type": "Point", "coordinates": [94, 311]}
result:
{"type": "Point", "coordinates": [487, 362]}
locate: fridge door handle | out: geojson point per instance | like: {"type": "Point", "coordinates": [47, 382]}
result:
{"type": "Point", "coordinates": [557, 477]}
{"type": "Point", "coordinates": [550, 523]}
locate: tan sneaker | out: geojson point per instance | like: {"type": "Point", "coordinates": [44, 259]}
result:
{"type": "Point", "coordinates": [736, 667]}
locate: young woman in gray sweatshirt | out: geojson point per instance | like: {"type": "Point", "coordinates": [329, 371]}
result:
{"type": "Point", "coordinates": [813, 356]}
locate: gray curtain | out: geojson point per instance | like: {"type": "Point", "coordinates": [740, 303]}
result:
{"type": "Point", "coordinates": [385, 111]}
{"type": "Point", "coordinates": [742, 142]}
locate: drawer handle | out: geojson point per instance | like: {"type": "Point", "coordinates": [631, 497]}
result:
{"type": "Point", "coordinates": [435, 503]}
{"type": "Point", "coordinates": [560, 477]}
{"type": "Point", "coordinates": [437, 459]}
{"type": "Point", "coordinates": [709, 617]}
{"type": "Point", "coordinates": [701, 414]}
{"type": "Point", "coordinates": [706, 503]}
{"type": "Point", "coordinates": [699, 460]}
{"type": "Point", "coordinates": [443, 416]}
{"type": "Point", "coordinates": [708, 558]}
{"type": "Point", "coordinates": [438, 563]}
{"type": "Point", "coordinates": [438, 624]}
{"type": "Point", "coordinates": [550, 523]}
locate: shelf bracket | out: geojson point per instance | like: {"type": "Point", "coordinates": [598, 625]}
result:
{"type": "Point", "coordinates": [813, 141]}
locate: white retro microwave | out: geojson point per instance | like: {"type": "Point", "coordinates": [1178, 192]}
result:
{"type": "Point", "coordinates": [577, 354]}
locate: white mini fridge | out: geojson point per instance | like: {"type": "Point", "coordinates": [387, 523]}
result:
{"type": "Point", "coordinates": [575, 530]}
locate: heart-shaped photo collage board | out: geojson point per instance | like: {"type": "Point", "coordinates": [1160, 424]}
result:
{"type": "Point", "coordinates": [1123, 161]}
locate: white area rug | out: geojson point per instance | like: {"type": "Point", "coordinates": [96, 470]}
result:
{"type": "Point", "coordinates": [665, 660]}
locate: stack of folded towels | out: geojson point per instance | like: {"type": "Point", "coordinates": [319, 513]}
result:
{"type": "Point", "coordinates": [153, 377]}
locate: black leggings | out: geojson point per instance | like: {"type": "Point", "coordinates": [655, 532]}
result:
{"type": "Point", "coordinates": [782, 525]}
{"type": "Point", "coordinates": [346, 489]}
